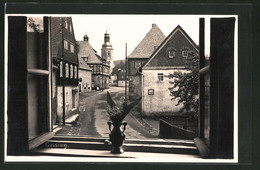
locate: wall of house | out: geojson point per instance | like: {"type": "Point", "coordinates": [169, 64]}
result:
{"type": "Point", "coordinates": [135, 86]}
{"type": "Point", "coordinates": [160, 102]}
{"type": "Point", "coordinates": [69, 101]}
{"type": "Point", "coordinates": [98, 81]}
{"type": "Point", "coordinates": [85, 84]}
{"type": "Point", "coordinates": [134, 65]}
{"type": "Point", "coordinates": [113, 80]}
{"type": "Point", "coordinates": [134, 78]}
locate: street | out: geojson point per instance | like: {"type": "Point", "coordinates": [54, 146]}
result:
{"type": "Point", "coordinates": [93, 117]}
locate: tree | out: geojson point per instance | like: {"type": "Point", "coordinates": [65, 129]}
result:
{"type": "Point", "coordinates": [32, 24]}
{"type": "Point", "coordinates": [185, 85]}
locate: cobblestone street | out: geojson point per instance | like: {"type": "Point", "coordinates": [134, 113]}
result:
{"type": "Point", "coordinates": [93, 117]}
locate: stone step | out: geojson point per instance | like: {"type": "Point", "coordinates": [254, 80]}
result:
{"type": "Point", "coordinates": [133, 147]}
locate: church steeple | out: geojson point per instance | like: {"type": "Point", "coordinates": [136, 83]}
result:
{"type": "Point", "coordinates": [107, 51]}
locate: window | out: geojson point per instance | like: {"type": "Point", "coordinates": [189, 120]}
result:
{"type": "Point", "coordinates": [66, 24]}
{"type": "Point", "coordinates": [70, 28]}
{"type": "Point", "coordinates": [185, 53]}
{"type": "Point", "coordinates": [66, 45]}
{"type": "Point", "coordinates": [75, 72]}
{"type": "Point", "coordinates": [160, 76]}
{"type": "Point", "coordinates": [67, 70]}
{"type": "Point", "coordinates": [85, 59]}
{"type": "Point", "coordinates": [137, 64]}
{"type": "Point", "coordinates": [171, 53]}
{"type": "Point", "coordinates": [71, 71]}
{"type": "Point", "coordinates": [61, 69]}
{"type": "Point", "coordinates": [72, 48]}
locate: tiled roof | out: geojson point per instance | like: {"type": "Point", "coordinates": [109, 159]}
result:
{"type": "Point", "coordinates": [86, 50]}
{"type": "Point", "coordinates": [56, 38]}
{"type": "Point", "coordinates": [83, 64]}
{"type": "Point", "coordinates": [149, 43]}
{"type": "Point", "coordinates": [178, 40]}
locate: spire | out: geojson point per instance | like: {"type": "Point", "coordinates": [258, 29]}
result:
{"type": "Point", "coordinates": [107, 37]}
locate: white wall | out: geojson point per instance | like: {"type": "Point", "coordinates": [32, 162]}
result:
{"type": "Point", "coordinates": [160, 102]}
{"type": "Point", "coordinates": [86, 80]}
{"type": "Point", "coordinates": [68, 101]}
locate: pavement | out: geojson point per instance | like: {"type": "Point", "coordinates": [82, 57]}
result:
{"type": "Point", "coordinates": [93, 117]}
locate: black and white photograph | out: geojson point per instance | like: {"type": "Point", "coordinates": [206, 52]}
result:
{"type": "Point", "coordinates": [121, 88]}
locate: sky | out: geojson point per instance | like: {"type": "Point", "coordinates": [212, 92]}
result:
{"type": "Point", "coordinates": [130, 29]}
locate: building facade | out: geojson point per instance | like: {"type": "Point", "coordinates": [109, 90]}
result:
{"type": "Point", "coordinates": [139, 57]}
{"type": "Point", "coordinates": [65, 68]}
{"type": "Point", "coordinates": [171, 56]}
{"type": "Point", "coordinates": [99, 66]}
{"type": "Point", "coordinates": [85, 76]}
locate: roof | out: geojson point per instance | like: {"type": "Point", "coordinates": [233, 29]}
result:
{"type": "Point", "coordinates": [56, 38]}
{"type": "Point", "coordinates": [83, 64]}
{"type": "Point", "coordinates": [178, 39]}
{"type": "Point", "coordinates": [149, 43]}
{"type": "Point", "coordinates": [86, 50]}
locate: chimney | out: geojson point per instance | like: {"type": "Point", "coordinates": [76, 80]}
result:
{"type": "Point", "coordinates": [85, 38]}
{"type": "Point", "coordinates": [153, 25]}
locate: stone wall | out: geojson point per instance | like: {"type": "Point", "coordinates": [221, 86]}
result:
{"type": "Point", "coordinates": [159, 101]}
{"type": "Point", "coordinates": [135, 86]}
{"type": "Point", "coordinates": [71, 93]}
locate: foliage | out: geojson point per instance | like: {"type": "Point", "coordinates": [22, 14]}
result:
{"type": "Point", "coordinates": [185, 85]}
{"type": "Point", "coordinates": [32, 24]}
{"type": "Point", "coordinates": [118, 112]}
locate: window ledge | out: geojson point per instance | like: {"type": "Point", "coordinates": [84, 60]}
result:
{"type": "Point", "coordinates": [34, 143]}
{"type": "Point", "coordinates": [106, 156]}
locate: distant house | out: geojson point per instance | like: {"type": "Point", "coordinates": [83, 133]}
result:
{"type": "Point", "coordinates": [65, 68]}
{"type": "Point", "coordinates": [122, 78]}
{"type": "Point", "coordinates": [172, 55]}
{"type": "Point", "coordinates": [139, 57]}
{"type": "Point", "coordinates": [119, 67]}
{"type": "Point", "coordinates": [85, 76]}
{"type": "Point", "coordinates": [99, 66]}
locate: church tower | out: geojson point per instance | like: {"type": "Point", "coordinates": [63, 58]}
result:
{"type": "Point", "coordinates": [107, 51]}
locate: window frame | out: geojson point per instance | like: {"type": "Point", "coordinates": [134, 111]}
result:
{"type": "Point", "coordinates": [185, 53]}
{"type": "Point", "coordinates": [172, 55]}
{"type": "Point", "coordinates": [160, 77]}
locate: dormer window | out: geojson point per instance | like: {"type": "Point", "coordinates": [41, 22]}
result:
{"type": "Point", "coordinates": [172, 53]}
{"type": "Point", "coordinates": [184, 53]}
{"type": "Point", "coordinates": [85, 59]}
